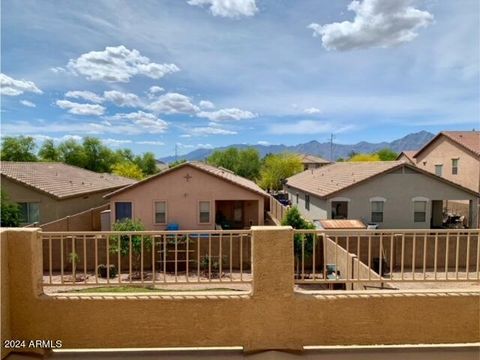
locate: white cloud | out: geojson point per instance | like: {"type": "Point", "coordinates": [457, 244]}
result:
{"type": "Point", "coordinates": [264, 143]}
{"type": "Point", "coordinates": [81, 109]}
{"type": "Point", "coordinates": [226, 114]}
{"type": "Point", "coordinates": [13, 87]}
{"type": "Point", "coordinates": [27, 103]}
{"type": "Point", "coordinates": [122, 99]}
{"type": "Point", "coordinates": [146, 121]}
{"type": "Point", "coordinates": [172, 103]}
{"type": "Point", "coordinates": [186, 136]}
{"type": "Point", "coordinates": [202, 131]}
{"type": "Point", "coordinates": [206, 105]}
{"type": "Point", "coordinates": [377, 23]}
{"type": "Point", "coordinates": [309, 127]}
{"type": "Point", "coordinates": [228, 8]}
{"type": "Point", "coordinates": [118, 64]}
{"type": "Point", "coordinates": [85, 95]}
{"type": "Point", "coordinates": [312, 110]}
{"type": "Point", "coordinates": [156, 143]}
{"type": "Point", "coordinates": [205, 146]}
{"type": "Point", "coordinates": [155, 89]}
{"type": "Point", "coordinates": [58, 70]}
{"type": "Point", "coordinates": [116, 142]}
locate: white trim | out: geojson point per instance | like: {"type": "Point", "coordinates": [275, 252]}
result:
{"type": "Point", "coordinates": [209, 214]}
{"type": "Point", "coordinates": [420, 198]}
{"type": "Point", "coordinates": [155, 212]}
{"type": "Point", "coordinates": [339, 198]}
{"type": "Point", "coordinates": [377, 198]}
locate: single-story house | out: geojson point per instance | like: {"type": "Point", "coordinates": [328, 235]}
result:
{"type": "Point", "coordinates": [312, 161]}
{"type": "Point", "coordinates": [191, 196]}
{"type": "Point", "coordinates": [391, 194]}
{"type": "Point", "coordinates": [48, 191]}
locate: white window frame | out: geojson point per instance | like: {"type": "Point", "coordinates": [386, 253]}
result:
{"type": "Point", "coordinates": [115, 209]}
{"type": "Point", "coordinates": [378, 199]}
{"type": "Point", "coordinates": [455, 167]}
{"type": "Point", "coordinates": [439, 166]}
{"type": "Point", "coordinates": [209, 212]}
{"type": "Point", "coordinates": [155, 212]}
{"type": "Point", "coordinates": [420, 199]}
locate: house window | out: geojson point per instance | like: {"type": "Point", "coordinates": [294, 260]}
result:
{"type": "Point", "coordinates": [339, 210]}
{"type": "Point", "coordinates": [296, 198]}
{"type": "Point", "coordinates": [438, 170]}
{"type": "Point", "coordinates": [307, 202]}
{"type": "Point", "coordinates": [454, 166]}
{"type": "Point", "coordinates": [160, 212]}
{"type": "Point", "coordinates": [123, 210]}
{"type": "Point", "coordinates": [377, 211]}
{"type": "Point", "coordinates": [420, 211]}
{"type": "Point", "coordinates": [204, 212]}
{"type": "Point", "coordinates": [29, 212]}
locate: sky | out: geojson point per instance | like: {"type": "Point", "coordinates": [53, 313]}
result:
{"type": "Point", "coordinates": [151, 75]}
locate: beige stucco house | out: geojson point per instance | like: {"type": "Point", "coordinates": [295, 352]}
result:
{"type": "Point", "coordinates": [312, 161]}
{"type": "Point", "coordinates": [453, 155]}
{"type": "Point", "coordinates": [391, 194]}
{"type": "Point", "coordinates": [194, 196]}
{"type": "Point", "coordinates": [48, 191]}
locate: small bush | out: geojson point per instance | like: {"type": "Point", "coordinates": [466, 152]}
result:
{"type": "Point", "coordinates": [102, 271]}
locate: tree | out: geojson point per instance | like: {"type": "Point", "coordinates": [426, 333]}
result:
{"type": "Point", "coordinates": [124, 155]}
{"type": "Point", "coordinates": [98, 157]}
{"type": "Point", "coordinates": [147, 163]}
{"type": "Point", "coordinates": [72, 153]}
{"type": "Point", "coordinates": [365, 157]}
{"type": "Point", "coordinates": [19, 148]}
{"type": "Point", "coordinates": [276, 168]}
{"type": "Point", "coordinates": [303, 242]}
{"type": "Point", "coordinates": [244, 162]}
{"type": "Point", "coordinates": [49, 152]}
{"type": "Point", "coordinates": [10, 212]}
{"type": "Point", "coordinates": [121, 244]}
{"type": "Point", "coordinates": [387, 154]}
{"type": "Point", "coordinates": [129, 170]}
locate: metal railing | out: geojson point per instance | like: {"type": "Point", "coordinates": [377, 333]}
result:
{"type": "Point", "coordinates": [353, 259]}
{"type": "Point", "coordinates": [117, 258]}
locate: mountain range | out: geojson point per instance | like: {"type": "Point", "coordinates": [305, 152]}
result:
{"type": "Point", "coordinates": [412, 141]}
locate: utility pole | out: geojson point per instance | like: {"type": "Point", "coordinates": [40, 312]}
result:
{"type": "Point", "coordinates": [331, 147]}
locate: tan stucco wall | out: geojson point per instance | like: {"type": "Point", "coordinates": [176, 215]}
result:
{"type": "Point", "coordinates": [398, 188]}
{"type": "Point", "coordinates": [442, 151]}
{"type": "Point", "coordinates": [5, 292]}
{"type": "Point", "coordinates": [51, 208]}
{"type": "Point", "coordinates": [183, 198]}
{"type": "Point", "coordinates": [273, 316]}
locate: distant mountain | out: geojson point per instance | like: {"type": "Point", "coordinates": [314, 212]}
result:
{"type": "Point", "coordinates": [409, 142]}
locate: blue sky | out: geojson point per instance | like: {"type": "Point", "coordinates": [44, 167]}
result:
{"type": "Point", "coordinates": [199, 73]}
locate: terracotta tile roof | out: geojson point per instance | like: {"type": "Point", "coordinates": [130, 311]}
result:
{"type": "Point", "coordinates": [312, 159]}
{"type": "Point", "coordinates": [61, 180]}
{"type": "Point", "coordinates": [469, 140]}
{"type": "Point", "coordinates": [216, 171]}
{"type": "Point", "coordinates": [329, 179]}
{"type": "Point", "coordinates": [409, 154]}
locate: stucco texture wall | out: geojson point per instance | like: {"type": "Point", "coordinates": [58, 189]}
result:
{"type": "Point", "coordinates": [272, 316]}
{"type": "Point", "coordinates": [398, 189]}
{"type": "Point", "coordinates": [183, 199]}
{"type": "Point", "coordinates": [442, 152]}
{"type": "Point", "coordinates": [51, 208]}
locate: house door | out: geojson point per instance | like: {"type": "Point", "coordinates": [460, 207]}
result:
{"type": "Point", "coordinates": [238, 213]}
{"type": "Point", "coordinates": [339, 209]}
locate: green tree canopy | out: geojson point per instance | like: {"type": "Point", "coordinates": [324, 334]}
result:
{"type": "Point", "coordinates": [10, 212]}
{"type": "Point", "coordinates": [98, 157]}
{"type": "Point", "coordinates": [19, 148]}
{"type": "Point", "coordinates": [387, 154]}
{"type": "Point", "coordinates": [276, 168]}
{"type": "Point", "coordinates": [72, 153]}
{"type": "Point", "coordinates": [365, 157]}
{"type": "Point", "coordinates": [147, 163]}
{"type": "Point", "coordinates": [243, 162]}
{"type": "Point", "coordinates": [49, 152]}
{"type": "Point", "coordinates": [176, 163]}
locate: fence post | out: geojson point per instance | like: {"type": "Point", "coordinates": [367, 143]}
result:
{"type": "Point", "coordinates": [273, 292]}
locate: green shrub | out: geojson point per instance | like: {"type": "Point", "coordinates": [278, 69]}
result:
{"type": "Point", "coordinates": [102, 271]}
{"type": "Point", "coordinates": [294, 219]}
